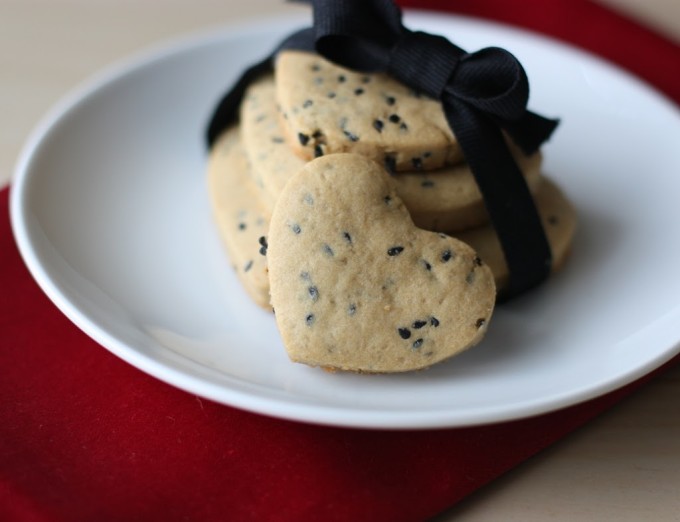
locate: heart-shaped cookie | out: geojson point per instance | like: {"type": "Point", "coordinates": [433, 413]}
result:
{"type": "Point", "coordinates": [328, 109]}
{"type": "Point", "coordinates": [356, 286]}
{"type": "Point", "coordinates": [242, 220]}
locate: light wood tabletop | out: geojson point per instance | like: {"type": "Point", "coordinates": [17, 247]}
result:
{"type": "Point", "coordinates": [624, 466]}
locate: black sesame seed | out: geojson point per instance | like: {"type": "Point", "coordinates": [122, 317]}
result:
{"type": "Point", "coordinates": [308, 199]}
{"type": "Point", "coordinates": [428, 183]}
{"type": "Point", "coordinates": [347, 237]}
{"type": "Point", "coordinates": [358, 91]}
{"type": "Point", "coordinates": [331, 95]}
{"type": "Point", "coordinates": [480, 322]}
{"type": "Point", "coordinates": [446, 255]}
{"type": "Point", "coordinates": [264, 245]}
{"type": "Point", "coordinates": [418, 324]}
{"type": "Point", "coordinates": [241, 226]}
{"type": "Point", "coordinates": [307, 103]}
{"type": "Point", "coordinates": [318, 151]}
{"type": "Point", "coordinates": [317, 134]}
{"type": "Point", "coordinates": [417, 163]}
{"type": "Point", "coordinates": [304, 138]}
{"type": "Point", "coordinates": [470, 278]}
{"type": "Point", "coordinates": [434, 321]}
{"type": "Point", "coordinates": [315, 67]}
{"type": "Point", "coordinates": [387, 200]}
{"type": "Point", "coordinates": [403, 127]}
{"type": "Point", "coordinates": [417, 343]}
{"type": "Point", "coordinates": [351, 309]}
{"type": "Point", "coordinates": [395, 251]}
{"type": "Point", "coordinates": [394, 118]}
{"type": "Point", "coordinates": [296, 228]}
{"type": "Point", "coordinates": [328, 250]}
{"type": "Point", "coordinates": [390, 100]}
{"type": "Point", "coordinates": [404, 333]}
{"type": "Point", "coordinates": [277, 139]}
{"type": "Point", "coordinates": [366, 79]}
{"type": "Point", "coordinates": [378, 125]}
{"type": "Point", "coordinates": [391, 164]}
{"type": "Point", "coordinates": [341, 78]}
{"type": "Point", "coordinates": [248, 266]}
{"type": "Point", "coordinates": [309, 320]}
{"type": "Point", "coordinates": [313, 293]}
{"type": "Point", "coordinates": [304, 276]}
{"type": "Point", "coordinates": [427, 265]}
{"type": "Point", "coordinates": [351, 136]}
{"type": "Point", "coordinates": [478, 261]}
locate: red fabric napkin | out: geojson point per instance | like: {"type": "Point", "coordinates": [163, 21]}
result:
{"type": "Point", "coordinates": [84, 436]}
{"type": "Point", "coordinates": [583, 23]}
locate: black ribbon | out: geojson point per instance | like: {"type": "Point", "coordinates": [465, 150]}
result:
{"type": "Point", "coordinates": [482, 93]}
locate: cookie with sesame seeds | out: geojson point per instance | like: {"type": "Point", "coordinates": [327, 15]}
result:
{"type": "Point", "coordinates": [448, 199]}
{"type": "Point", "coordinates": [272, 161]}
{"type": "Point", "coordinates": [445, 199]}
{"type": "Point", "coordinates": [329, 109]}
{"type": "Point", "coordinates": [357, 287]}
{"type": "Point", "coordinates": [242, 219]}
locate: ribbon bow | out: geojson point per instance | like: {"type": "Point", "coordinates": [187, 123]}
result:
{"type": "Point", "coordinates": [482, 94]}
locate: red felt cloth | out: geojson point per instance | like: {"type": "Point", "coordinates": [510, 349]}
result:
{"type": "Point", "coordinates": [84, 436]}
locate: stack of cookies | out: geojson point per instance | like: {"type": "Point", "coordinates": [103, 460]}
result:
{"type": "Point", "coordinates": [338, 197]}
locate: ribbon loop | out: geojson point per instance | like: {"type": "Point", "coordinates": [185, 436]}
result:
{"type": "Point", "coordinates": [493, 81]}
{"type": "Point", "coordinates": [356, 33]}
{"type": "Point", "coordinates": [423, 61]}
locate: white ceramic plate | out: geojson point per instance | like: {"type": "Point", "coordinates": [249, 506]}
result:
{"type": "Point", "coordinates": [110, 211]}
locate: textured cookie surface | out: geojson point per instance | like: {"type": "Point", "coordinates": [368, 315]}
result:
{"type": "Point", "coordinates": [241, 218]}
{"type": "Point", "coordinates": [328, 109]}
{"type": "Point", "coordinates": [445, 199]}
{"type": "Point", "coordinates": [356, 286]}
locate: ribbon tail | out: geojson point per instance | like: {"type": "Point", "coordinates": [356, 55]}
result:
{"type": "Point", "coordinates": [227, 109]}
{"type": "Point", "coordinates": [507, 198]}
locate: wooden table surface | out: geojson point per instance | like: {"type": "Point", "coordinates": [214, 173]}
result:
{"type": "Point", "coordinates": [624, 466]}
